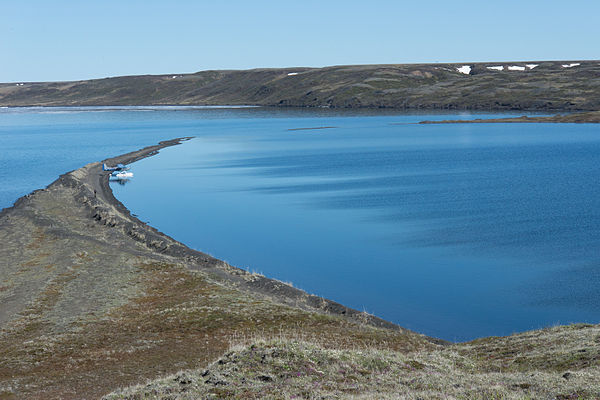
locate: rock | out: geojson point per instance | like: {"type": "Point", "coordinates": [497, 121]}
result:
{"type": "Point", "coordinates": [265, 378]}
{"type": "Point", "coordinates": [183, 379]}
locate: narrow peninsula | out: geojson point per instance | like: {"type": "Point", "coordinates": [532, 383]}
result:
{"type": "Point", "coordinates": [592, 117]}
{"type": "Point", "coordinates": [94, 301]}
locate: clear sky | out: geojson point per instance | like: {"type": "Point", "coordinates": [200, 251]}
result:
{"type": "Point", "coordinates": [44, 40]}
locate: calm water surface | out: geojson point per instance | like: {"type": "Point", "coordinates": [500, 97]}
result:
{"type": "Point", "coordinates": [456, 231]}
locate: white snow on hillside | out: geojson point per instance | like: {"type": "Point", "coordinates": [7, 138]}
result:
{"type": "Point", "coordinates": [465, 69]}
{"type": "Point", "coordinates": [516, 68]}
{"type": "Point", "coordinates": [496, 68]}
{"type": "Point", "coordinates": [571, 65]}
{"type": "Point", "coordinates": [531, 66]}
{"type": "Point", "coordinates": [292, 73]}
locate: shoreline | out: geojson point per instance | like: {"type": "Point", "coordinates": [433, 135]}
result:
{"type": "Point", "coordinates": [382, 108]}
{"type": "Point", "coordinates": [93, 193]}
{"type": "Point", "coordinates": [572, 116]}
{"type": "Point", "coordinates": [93, 300]}
{"type": "Point", "coordinates": [164, 244]}
{"type": "Point", "coordinates": [591, 117]}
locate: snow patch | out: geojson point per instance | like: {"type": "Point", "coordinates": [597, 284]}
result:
{"type": "Point", "coordinates": [531, 66]}
{"type": "Point", "coordinates": [516, 68]}
{"type": "Point", "coordinates": [465, 69]}
{"type": "Point", "coordinates": [496, 67]}
{"type": "Point", "coordinates": [571, 65]}
{"type": "Point", "coordinates": [292, 74]}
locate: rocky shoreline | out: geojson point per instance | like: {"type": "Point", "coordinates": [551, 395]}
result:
{"type": "Point", "coordinates": [93, 194]}
{"type": "Point", "coordinates": [93, 299]}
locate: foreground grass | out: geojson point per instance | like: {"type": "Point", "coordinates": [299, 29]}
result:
{"type": "Point", "coordinates": [179, 319]}
{"type": "Point", "coordinates": [290, 369]}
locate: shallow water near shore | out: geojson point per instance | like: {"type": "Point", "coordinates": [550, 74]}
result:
{"type": "Point", "coordinates": [455, 231]}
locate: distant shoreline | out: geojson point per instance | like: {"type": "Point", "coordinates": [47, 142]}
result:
{"type": "Point", "coordinates": [592, 117]}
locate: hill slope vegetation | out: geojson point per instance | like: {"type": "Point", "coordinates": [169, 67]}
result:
{"type": "Point", "coordinates": [550, 86]}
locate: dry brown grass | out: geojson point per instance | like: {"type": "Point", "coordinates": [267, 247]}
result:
{"type": "Point", "coordinates": [290, 369]}
{"type": "Point", "coordinates": [181, 319]}
{"type": "Point", "coordinates": [554, 349]}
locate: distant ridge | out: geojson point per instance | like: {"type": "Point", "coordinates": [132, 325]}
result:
{"type": "Point", "coordinates": [528, 85]}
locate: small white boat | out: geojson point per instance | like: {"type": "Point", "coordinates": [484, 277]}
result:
{"type": "Point", "coordinates": [123, 175]}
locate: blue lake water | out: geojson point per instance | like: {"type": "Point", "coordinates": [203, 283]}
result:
{"type": "Point", "coordinates": [455, 231]}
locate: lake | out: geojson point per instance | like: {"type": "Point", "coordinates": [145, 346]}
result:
{"type": "Point", "coordinates": [455, 231]}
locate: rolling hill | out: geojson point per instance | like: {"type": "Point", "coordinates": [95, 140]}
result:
{"type": "Point", "coordinates": [543, 86]}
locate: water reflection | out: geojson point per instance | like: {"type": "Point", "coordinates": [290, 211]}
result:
{"type": "Point", "coordinates": [454, 231]}
{"type": "Point", "coordinates": [120, 181]}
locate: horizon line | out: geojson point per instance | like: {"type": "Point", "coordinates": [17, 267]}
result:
{"type": "Point", "coordinates": [296, 67]}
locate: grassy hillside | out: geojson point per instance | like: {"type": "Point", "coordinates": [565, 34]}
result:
{"type": "Point", "coordinates": [548, 87]}
{"type": "Point", "coordinates": [556, 363]}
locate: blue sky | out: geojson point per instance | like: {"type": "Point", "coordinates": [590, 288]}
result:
{"type": "Point", "coordinates": [68, 40]}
